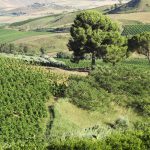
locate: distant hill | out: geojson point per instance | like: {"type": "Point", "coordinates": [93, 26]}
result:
{"type": "Point", "coordinates": [82, 4]}
{"type": "Point", "coordinates": [133, 6]}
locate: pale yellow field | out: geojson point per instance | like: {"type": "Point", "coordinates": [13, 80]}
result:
{"type": "Point", "coordinates": [140, 16]}
{"type": "Point", "coordinates": [51, 42]}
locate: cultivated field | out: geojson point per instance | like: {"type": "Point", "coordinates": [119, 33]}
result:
{"type": "Point", "coordinates": [138, 16]}
{"type": "Point", "coordinates": [7, 35]}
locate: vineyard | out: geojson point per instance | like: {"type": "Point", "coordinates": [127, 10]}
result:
{"type": "Point", "coordinates": [135, 29]}
{"type": "Point", "coordinates": [24, 91]}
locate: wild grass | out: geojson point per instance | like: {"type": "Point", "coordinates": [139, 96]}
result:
{"type": "Point", "coordinates": [72, 121]}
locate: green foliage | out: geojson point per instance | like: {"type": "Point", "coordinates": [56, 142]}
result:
{"type": "Point", "coordinates": [24, 91]}
{"type": "Point", "coordinates": [126, 140]}
{"type": "Point", "coordinates": [121, 123]}
{"type": "Point", "coordinates": [123, 141]}
{"type": "Point", "coordinates": [15, 49]}
{"type": "Point", "coordinates": [23, 94]}
{"type": "Point", "coordinates": [141, 44]}
{"type": "Point", "coordinates": [76, 144]}
{"type": "Point", "coordinates": [114, 54]}
{"type": "Point", "coordinates": [128, 84]}
{"type": "Point", "coordinates": [124, 85]}
{"type": "Point", "coordinates": [81, 94]}
{"type": "Point", "coordinates": [95, 33]}
{"type": "Point", "coordinates": [63, 55]}
{"type": "Point", "coordinates": [37, 60]}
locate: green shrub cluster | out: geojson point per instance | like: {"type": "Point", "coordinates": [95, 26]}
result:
{"type": "Point", "coordinates": [126, 140]}
{"type": "Point", "coordinates": [124, 85]}
{"type": "Point", "coordinates": [85, 94]}
{"type": "Point", "coordinates": [15, 49]}
{"type": "Point", "coordinates": [63, 55]}
{"type": "Point", "coordinates": [56, 63]}
{"type": "Point", "coordinates": [129, 84]}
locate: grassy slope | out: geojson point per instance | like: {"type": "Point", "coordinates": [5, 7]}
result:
{"type": "Point", "coordinates": [35, 40]}
{"type": "Point", "coordinates": [63, 20]}
{"type": "Point", "coordinates": [51, 21]}
{"type": "Point", "coordinates": [70, 119]}
{"type": "Point", "coordinates": [7, 35]}
{"type": "Point", "coordinates": [51, 42]}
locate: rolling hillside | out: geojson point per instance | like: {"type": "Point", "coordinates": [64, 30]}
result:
{"type": "Point", "coordinates": [65, 20]}
{"type": "Point", "coordinates": [73, 3]}
{"type": "Point", "coordinates": [15, 10]}
{"type": "Point", "coordinates": [133, 6]}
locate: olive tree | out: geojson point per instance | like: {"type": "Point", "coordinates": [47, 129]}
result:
{"type": "Point", "coordinates": [97, 35]}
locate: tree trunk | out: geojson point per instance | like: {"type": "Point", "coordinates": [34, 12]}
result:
{"type": "Point", "coordinates": [148, 56]}
{"type": "Point", "coordinates": [93, 60]}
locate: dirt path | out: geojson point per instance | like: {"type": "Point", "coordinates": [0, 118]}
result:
{"type": "Point", "coordinates": [62, 71]}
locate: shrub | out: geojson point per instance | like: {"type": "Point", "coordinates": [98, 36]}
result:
{"type": "Point", "coordinates": [56, 63]}
{"type": "Point", "coordinates": [76, 144]}
{"type": "Point", "coordinates": [86, 96]}
{"type": "Point", "coordinates": [130, 85]}
{"type": "Point", "coordinates": [123, 141]}
{"type": "Point", "coordinates": [121, 123]}
{"type": "Point", "coordinates": [63, 55]}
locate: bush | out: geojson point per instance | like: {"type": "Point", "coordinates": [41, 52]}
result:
{"type": "Point", "coordinates": [130, 85]}
{"type": "Point", "coordinates": [86, 96]}
{"type": "Point", "coordinates": [56, 63]}
{"type": "Point", "coordinates": [63, 55]}
{"type": "Point", "coordinates": [123, 141]}
{"type": "Point", "coordinates": [76, 144]}
{"type": "Point", "coordinates": [127, 140]}
{"type": "Point", "coordinates": [121, 123]}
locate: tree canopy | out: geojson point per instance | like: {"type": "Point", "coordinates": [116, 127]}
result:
{"type": "Point", "coordinates": [96, 34]}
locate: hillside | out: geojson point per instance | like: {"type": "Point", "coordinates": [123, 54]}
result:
{"type": "Point", "coordinates": [15, 10]}
{"type": "Point", "coordinates": [133, 6]}
{"type": "Point", "coordinates": [66, 19]}
{"type": "Point", "coordinates": [73, 3]}
{"type": "Point", "coordinates": [74, 80]}
{"type": "Point", "coordinates": [40, 108]}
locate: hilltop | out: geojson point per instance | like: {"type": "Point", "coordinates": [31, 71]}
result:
{"type": "Point", "coordinates": [133, 6]}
